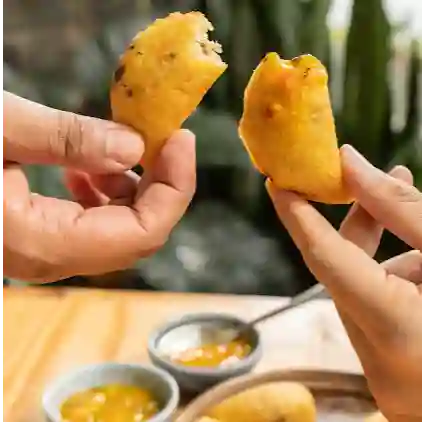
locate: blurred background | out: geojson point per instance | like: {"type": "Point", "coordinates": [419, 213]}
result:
{"type": "Point", "coordinates": [62, 53]}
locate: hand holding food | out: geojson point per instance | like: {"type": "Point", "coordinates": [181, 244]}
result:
{"type": "Point", "coordinates": [380, 304]}
{"type": "Point", "coordinates": [282, 401]}
{"type": "Point", "coordinates": [47, 239]}
{"type": "Point", "coordinates": [288, 128]}
{"type": "Point", "coordinates": [163, 76]}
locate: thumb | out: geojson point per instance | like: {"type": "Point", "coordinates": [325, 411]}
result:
{"type": "Point", "coordinates": [35, 134]}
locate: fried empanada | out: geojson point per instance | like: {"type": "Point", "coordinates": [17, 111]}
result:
{"type": "Point", "coordinates": [163, 76]}
{"type": "Point", "coordinates": [281, 401]}
{"type": "Point", "coordinates": [288, 128]}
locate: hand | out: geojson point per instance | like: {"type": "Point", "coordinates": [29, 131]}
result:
{"type": "Point", "coordinates": [118, 219]}
{"type": "Point", "coordinates": [380, 304]}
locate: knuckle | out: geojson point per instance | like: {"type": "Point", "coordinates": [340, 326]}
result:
{"type": "Point", "coordinates": [70, 136]}
{"type": "Point", "coordinates": [185, 187]}
{"type": "Point", "coordinates": [184, 182]}
{"type": "Point", "coordinates": [151, 231]}
{"type": "Point", "coordinates": [152, 249]}
{"type": "Point", "coordinates": [191, 189]}
{"type": "Point", "coordinates": [186, 198]}
{"type": "Point", "coordinates": [190, 183]}
{"type": "Point", "coordinates": [399, 191]}
{"type": "Point", "coordinates": [315, 249]}
{"type": "Point", "coordinates": [158, 241]}
{"type": "Point", "coordinates": [145, 219]}
{"type": "Point", "coordinates": [187, 193]}
{"type": "Point", "coordinates": [155, 242]}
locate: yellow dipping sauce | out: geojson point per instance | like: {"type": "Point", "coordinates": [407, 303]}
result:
{"type": "Point", "coordinates": [110, 403]}
{"type": "Point", "coordinates": [212, 355]}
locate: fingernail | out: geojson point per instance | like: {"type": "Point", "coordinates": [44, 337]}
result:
{"type": "Point", "coordinates": [355, 159]}
{"type": "Point", "coordinates": [183, 134]}
{"type": "Point", "coordinates": [124, 146]}
{"type": "Point", "coordinates": [402, 173]}
{"type": "Point", "coordinates": [396, 170]}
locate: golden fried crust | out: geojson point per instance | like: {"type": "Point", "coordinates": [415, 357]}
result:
{"type": "Point", "coordinates": [288, 128]}
{"type": "Point", "coordinates": [163, 76]}
{"type": "Point", "coordinates": [283, 401]}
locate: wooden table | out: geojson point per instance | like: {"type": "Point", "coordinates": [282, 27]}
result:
{"type": "Point", "coordinates": [50, 331]}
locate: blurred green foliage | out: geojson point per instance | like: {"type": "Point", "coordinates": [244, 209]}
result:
{"type": "Point", "coordinates": [363, 97]}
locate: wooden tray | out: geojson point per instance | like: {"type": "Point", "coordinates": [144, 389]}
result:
{"type": "Point", "coordinates": [340, 397]}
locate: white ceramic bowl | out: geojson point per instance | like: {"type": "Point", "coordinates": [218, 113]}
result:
{"type": "Point", "coordinates": [193, 330]}
{"type": "Point", "coordinates": [161, 385]}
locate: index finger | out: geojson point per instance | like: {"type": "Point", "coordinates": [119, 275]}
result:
{"type": "Point", "coordinates": [395, 204]}
{"type": "Point", "coordinates": [36, 134]}
{"type": "Point", "coordinates": [356, 282]}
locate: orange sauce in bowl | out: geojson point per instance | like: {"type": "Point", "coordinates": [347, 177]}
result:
{"type": "Point", "coordinates": [110, 403]}
{"type": "Point", "coordinates": [213, 355]}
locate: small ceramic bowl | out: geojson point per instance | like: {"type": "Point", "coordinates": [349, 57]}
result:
{"type": "Point", "coordinates": [194, 330]}
{"type": "Point", "coordinates": [159, 383]}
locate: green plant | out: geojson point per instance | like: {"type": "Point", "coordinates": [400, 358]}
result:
{"type": "Point", "coordinates": [364, 114]}
{"type": "Point", "coordinates": [364, 100]}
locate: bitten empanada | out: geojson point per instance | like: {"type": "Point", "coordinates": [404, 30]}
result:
{"type": "Point", "coordinates": [288, 128]}
{"type": "Point", "coordinates": [163, 76]}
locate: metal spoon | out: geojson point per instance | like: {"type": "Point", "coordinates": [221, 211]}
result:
{"type": "Point", "coordinates": [301, 298]}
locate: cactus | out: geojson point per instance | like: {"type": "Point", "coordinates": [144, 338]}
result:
{"type": "Point", "coordinates": [314, 33]}
{"type": "Point", "coordinates": [414, 94]}
{"type": "Point", "coordinates": [366, 98]}
{"type": "Point", "coordinates": [279, 25]}
{"type": "Point", "coordinates": [408, 145]}
{"type": "Point", "coordinates": [243, 51]}
{"type": "Point", "coordinates": [247, 29]}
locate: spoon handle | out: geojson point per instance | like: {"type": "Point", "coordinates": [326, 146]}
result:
{"type": "Point", "coordinates": [297, 300]}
